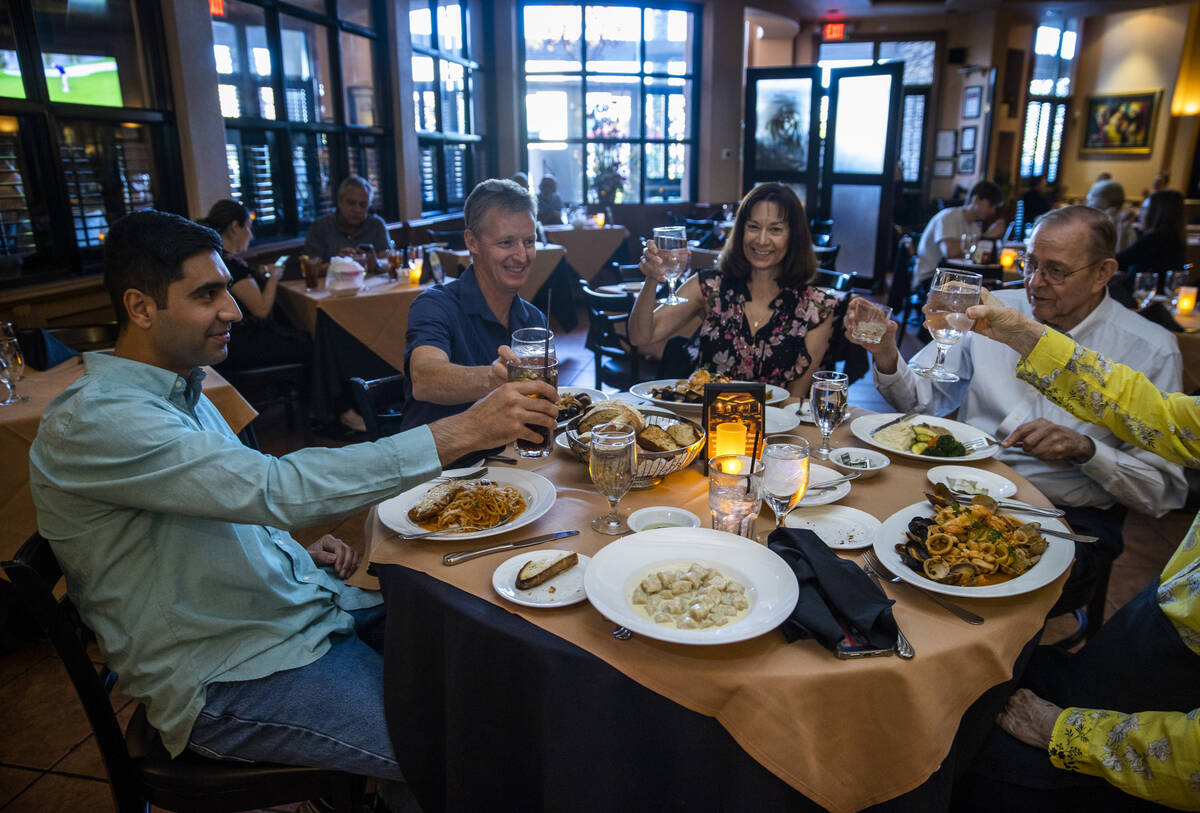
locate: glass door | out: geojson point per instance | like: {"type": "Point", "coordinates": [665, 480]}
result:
{"type": "Point", "coordinates": [782, 140]}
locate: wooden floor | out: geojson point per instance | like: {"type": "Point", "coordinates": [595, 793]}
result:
{"type": "Point", "coordinates": [49, 762]}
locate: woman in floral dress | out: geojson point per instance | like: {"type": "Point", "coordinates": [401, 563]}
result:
{"type": "Point", "coordinates": [762, 319]}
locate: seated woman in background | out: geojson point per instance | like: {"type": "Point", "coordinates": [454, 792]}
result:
{"type": "Point", "coordinates": [258, 340]}
{"type": "Point", "coordinates": [762, 319]}
{"type": "Point", "coordinates": [1162, 246]}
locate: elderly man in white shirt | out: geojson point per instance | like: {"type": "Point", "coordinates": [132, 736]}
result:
{"type": "Point", "coordinates": [1082, 468]}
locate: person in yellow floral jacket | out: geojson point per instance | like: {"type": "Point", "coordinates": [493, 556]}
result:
{"type": "Point", "coordinates": [1126, 708]}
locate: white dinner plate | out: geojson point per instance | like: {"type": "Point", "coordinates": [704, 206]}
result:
{"type": "Point", "coordinates": [988, 482]}
{"type": "Point", "coordinates": [642, 390]}
{"type": "Point", "coordinates": [563, 590]}
{"type": "Point", "coordinates": [1054, 561]}
{"type": "Point", "coordinates": [539, 497]}
{"type": "Point", "coordinates": [863, 425]}
{"type": "Point", "coordinates": [781, 419]}
{"type": "Point", "coordinates": [839, 526]}
{"type": "Point", "coordinates": [804, 411]}
{"type": "Point", "coordinates": [620, 566]}
{"type": "Point", "coordinates": [818, 474]}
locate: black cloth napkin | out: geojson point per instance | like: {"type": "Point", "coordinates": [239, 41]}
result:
{"type": "Point", "coordinates": [41, 350]}
{"type": "Point", "coordinates": [832, 590]}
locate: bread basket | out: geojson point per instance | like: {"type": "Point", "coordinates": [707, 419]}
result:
{"type": "Point", "coordinates": [652, 467]}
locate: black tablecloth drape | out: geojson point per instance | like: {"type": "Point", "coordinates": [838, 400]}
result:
{"type": "Point", "coordinates": [489, 712]}
{"type": "Point", "coordinates": [338, 358]}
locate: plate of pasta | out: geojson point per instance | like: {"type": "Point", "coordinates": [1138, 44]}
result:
{"type": "Point", "coordinates": [504, 500]}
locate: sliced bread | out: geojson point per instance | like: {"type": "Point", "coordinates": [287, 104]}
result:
{"type": "Point", "coordinates": [540, 571]}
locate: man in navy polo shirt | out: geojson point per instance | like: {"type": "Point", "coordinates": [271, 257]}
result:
{"type": "Point", "coordinates": [458, 333]}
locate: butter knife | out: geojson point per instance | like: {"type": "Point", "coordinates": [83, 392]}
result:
{"type": "Point", "coordinates": [467, 555]}
{"type": "Point", "coordinates": [906, 416]}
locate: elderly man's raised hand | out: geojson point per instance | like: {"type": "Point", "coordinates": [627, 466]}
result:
{"type": "Point", "coordinates": [885, 352]}
{"type": "Point", "coordinates": [1007, 325]}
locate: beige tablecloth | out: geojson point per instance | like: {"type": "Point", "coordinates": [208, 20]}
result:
{"type": "Point", "coordinates": [544, 262]}
{"type": "Point", "coordinates": [587, 249]}
{"type": "Point", "coordinates": [19, 426]}
{"type": "Point", "coordinates": [377, 316]}
{"type": "Point", "coordinates": [1189, 347]}
{"type": "Point", "coordinates": [846, 734]}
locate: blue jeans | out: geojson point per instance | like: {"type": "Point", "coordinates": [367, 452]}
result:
{"type": "Point", "coordinates": [328, 714]}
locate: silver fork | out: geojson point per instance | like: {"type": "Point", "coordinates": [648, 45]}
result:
{"type": "Point", "coordinates": [875, 565]}
{"type": "Point", "coordinates": [904, 647]}
{"type": "Point", "coordinates": [471, 475]}
{"type": "Point", "coordinates": [622, 634]}
{"type": "Point", "coordinates": [980, 443]}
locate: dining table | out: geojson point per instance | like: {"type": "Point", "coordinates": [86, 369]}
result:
{"type": "Point", "coordinates": [19, 426]}
{"type": "Point", "coordinates": [508, 707]}
{"type": "Point", "coordinates": [547, 257]}
{"type": "Point", "coordinates": [1189, 348]}
{"type": "Point", "coordinates": [589, 248]}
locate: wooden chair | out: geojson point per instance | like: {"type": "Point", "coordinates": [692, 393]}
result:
{"type": "Point", "coordinates": [616, 360]}
{"type": "Point", "coordinates": [140, 770]}
{"type": "Point", "coordinates": [381, 403]}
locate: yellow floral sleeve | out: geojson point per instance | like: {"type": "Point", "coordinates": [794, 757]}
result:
{"type": "Point", "coordinates": [1096, 389]}
{"type": "Point", "coordinates": [1152, 755]}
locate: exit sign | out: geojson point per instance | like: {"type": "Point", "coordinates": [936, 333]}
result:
{"type": "Point", "coordinates": [834, 31]}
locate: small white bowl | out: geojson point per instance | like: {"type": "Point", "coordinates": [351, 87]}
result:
{"type": "Point", "coordinates": [661, 516]}
{"type": "Point", "coordinates": [877, 461]}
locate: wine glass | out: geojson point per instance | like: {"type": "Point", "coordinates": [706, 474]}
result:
{"type": "Point", "coordinates": [785, 474]}
{"type": "Point", "coordinates": [828, 398]}
{"type": "Point", "coordinates": [671, 242]}
{"type": "Point", "coordinates": [969, 242]}
{"type": "Point", "coordinates": [950, 295]}
{"type": "Point", "coordinates": [1145, 285]}
{"type": "Point", "coordinates": [12, 368]}
{"type": "Point", "coordinates": [611, 463]}
{"type": "Point", "coordinates": [1175, 281]}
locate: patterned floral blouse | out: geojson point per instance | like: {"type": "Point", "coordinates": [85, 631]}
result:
{"type": "Point", "coordinates": [776, 353]}
{"type": "Point", "coordinates": [1151, 754]}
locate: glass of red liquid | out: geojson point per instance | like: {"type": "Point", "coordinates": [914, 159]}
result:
{"type": "Point", "coordinates": [536, 361]}
{"type": "Point", "coordinates": [311, 266]}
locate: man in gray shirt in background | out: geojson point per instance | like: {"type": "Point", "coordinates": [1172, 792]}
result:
{"type": "Point", "coordinates": [350, 225]}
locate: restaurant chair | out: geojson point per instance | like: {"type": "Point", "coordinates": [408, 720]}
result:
{"type": "Point", "coordinates": [140, 771]}
{"type": "Point", "coordinates": [285, 385]}
{"type": "Point", "coordinates": [833, 280]}
{"type": "Point", "coordinates": [827, 259]}
{"type": "Point", "coordinates": [616, 360]}
{"type": "Point", "coordinates": [822, 231]}
{"type": "Point", "coordinates": [380, 402]}
{"type": "Point", "coordinates": [85, 338]}
{"type": "Point", "coordinates": [454, 239]}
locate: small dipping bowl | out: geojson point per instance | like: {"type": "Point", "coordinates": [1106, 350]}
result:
{"type": "Point", "coordinates": [876, 461]}
{"type": "Point", "coordinates": [661, 516]}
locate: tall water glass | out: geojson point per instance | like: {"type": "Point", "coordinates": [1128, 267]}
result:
{"type": "Point", "coordinates": [611, 462]}
{"type": "Point", "coordinates": [829, 399]}
{"type": "Point", "coordinates": [12, 367]}
{"type": "Point", "coordinates": [536, 361]}
{"type": "Point", "coordinates": [671, 242]}
{"type": "Point", "coordinates": [1145, 285]}
{"type": "Point", "coordinates": [785, 474]}
{"type": "Point", "coordinates": [950, 295]}
{"type": "Point", "coordinates": [734, 493]}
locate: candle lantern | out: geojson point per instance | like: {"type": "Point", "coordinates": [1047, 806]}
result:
{"type": "Point", "coordinates": [1187, 300]}
{"type": "Point", "coordinates": [735, 419]}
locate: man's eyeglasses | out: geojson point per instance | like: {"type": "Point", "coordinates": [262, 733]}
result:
{"type": "Point", "coordinates": [1053, 274]}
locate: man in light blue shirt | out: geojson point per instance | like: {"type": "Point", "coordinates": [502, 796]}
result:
{"type": "Point", "coordinates": [174, 536]}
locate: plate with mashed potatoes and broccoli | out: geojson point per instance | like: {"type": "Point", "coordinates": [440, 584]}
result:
{"type": "Point", "coordinates": [923, 437]}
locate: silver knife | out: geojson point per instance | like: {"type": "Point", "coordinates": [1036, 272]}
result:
{"type": "Point", "coordinates": [906, 416]}
{"type": "Point", "coordinates": [467, 555]}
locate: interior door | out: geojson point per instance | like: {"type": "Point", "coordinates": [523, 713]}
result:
{"type": "Point", "coordinates": [858, 174]}
{"type": "Point", "coordinates": [782, 136]}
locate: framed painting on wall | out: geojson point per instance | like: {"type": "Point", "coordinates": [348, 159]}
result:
{"type": "Point", "coordinates": [966, 163]}
{"type": "Point", "coordinates": [967, 144]}
{"type": "Point", "coordinates": [943, 168]}
{"type": "Point", "coordinates": [944, 144]}
{"type": "Point", "coordinates": [1120, 123]}
{"type": "Point", "coordinates": [972, 101]}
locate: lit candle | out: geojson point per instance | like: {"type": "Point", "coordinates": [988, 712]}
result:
{"type": "Point", "coordinates": [414, 272]}
{"type": "Point", "coordinates": [1008, 256]}
{"type": "Point", "coordinates": [1187, 301]}
{"type": "Point", "coordinates": [730, 439]}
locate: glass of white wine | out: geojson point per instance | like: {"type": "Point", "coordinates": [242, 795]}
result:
{"type": "Point", "coordinates": [611, 463]}
{"type": "Point", "coordinates": [671, 242]}
{"type": "Point", "coordinates": [785, 474]}
{"type": "Point", "coordinates": [950, 295]}
{"type": "Point", "coordinates": [828, 398]}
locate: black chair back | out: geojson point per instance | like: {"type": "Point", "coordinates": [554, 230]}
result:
{"type": "Point", "coordinates": [86, 337]}
{"type": "Point", "coordinates": [822, 231]}
{"type": "Point", "coordinates": [146, 774]}
{"type": "Point", "coordinates": [827, 258]}
{"type": "Point", "coordinates": [380, 402]}
{"type": "Point", "coordinates": [616, 360]}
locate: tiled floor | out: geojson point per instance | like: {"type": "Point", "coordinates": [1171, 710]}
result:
{"type": "Point", "coordinates": [48, 760]}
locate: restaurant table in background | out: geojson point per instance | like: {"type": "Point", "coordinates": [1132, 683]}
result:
{"type": "Point", "coordinates": [588, 249]}
{"type": "Point", "coordinates": [19, 425]}
{"type": "Point", "coordinates": [361, 335]}
{"type": "Point", "coordinates": [547, 257]}
{"type": "Point", "coordinates": [1189, 348]}
{"type": "Point", "coordinates": [986, 270]}
{"type": "Point", "coordinates": [588, 722]}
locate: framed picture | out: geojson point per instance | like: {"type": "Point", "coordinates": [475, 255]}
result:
{"type": "Point", "coordinates": [944, 146]}
{"type": "Point", "coordinates": [1120, 123]}
{"type": "Point", "coordinates": [943, 168]}
{"type": "Point", "coordinates": [966, 163]}
{"type": "Point", "coordinates": [972, 101]}
{"type": "Point", "coordinates": [967, 144]}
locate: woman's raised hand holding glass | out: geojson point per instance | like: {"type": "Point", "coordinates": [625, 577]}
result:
{"type": "Point", "coordinates": [671, 242]}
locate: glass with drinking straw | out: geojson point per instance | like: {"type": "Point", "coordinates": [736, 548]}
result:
{"type": "Point", "coordinates": [612, 458]}
{"type": "Point", "coordinates": [671, 242]}
{"type": "Point", "coordinates": [536, 361]}
{"type": "Point", "coordinates": [949, 297]}
{"type": "Point", "coordinates": [828, 397]}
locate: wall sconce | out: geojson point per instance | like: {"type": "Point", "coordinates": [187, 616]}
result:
{"type": "Point", "coordinates": [735, 419]}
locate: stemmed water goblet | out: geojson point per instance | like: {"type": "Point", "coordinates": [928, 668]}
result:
{"type": "Point", "coordinates": [1145, 285]}
{"type": "Point", "coordinates": [950, 295]}
{"type": "Point", "coordinates": [828, 398]}
{"type": "Point", "coordinates": [969, 243]}
{"type": "Point", "coordinates": [12, 368]}
{"type": "Point", "coordinates": [671, 242]}
{"type": "Point", "coordinates": [785, 474]}
{"type": "Point", "coordinates": [611, 462]}
{"type": "Point", "coordinates": [1175, 281]}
